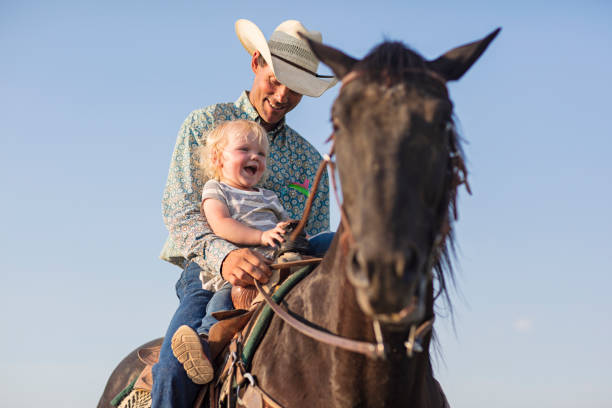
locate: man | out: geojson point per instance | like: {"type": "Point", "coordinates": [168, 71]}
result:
{"type": "Point", "coordinates": [284, 69]}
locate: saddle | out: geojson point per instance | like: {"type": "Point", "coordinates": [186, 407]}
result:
{"type": "Point", "coordinates": [230, 328]}
{"type": "Point", "coordinates": [238, 332]}
{"type": "Point", "coordinates": [234, 384]}
{"type": "Point", "coordinates": [289, 251]}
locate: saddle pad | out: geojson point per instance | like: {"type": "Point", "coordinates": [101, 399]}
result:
{"type": "Point", "coordinates": [263, 320]}
{"type": "Point", "coordinates": [123, 393]}
{"type": "Point", "coordinates": [136, 399]}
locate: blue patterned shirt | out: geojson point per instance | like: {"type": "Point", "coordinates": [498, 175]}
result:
{"type": "Point", "coordinates": [292, 161]}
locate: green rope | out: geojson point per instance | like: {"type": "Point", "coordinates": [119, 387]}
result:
{"type": "Point", "coordinates": [263, 321]}
{"type": "Point", "coordinates": [117, 400]}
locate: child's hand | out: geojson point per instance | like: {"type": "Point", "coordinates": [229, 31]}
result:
{"type": "Point", "coordinates": [275, 235]}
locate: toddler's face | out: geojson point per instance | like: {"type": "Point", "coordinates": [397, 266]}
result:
{"type": "Point", "coordinates": [243, 162]}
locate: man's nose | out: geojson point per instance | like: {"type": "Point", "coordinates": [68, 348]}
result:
{"type": "Point", "coordinates": [282, 94]}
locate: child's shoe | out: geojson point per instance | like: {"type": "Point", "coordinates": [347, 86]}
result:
{"type": "Point", "coordinates": [192, 351]}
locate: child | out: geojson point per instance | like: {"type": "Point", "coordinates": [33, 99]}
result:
{"type": "Point", "coordinates": [235, 159]}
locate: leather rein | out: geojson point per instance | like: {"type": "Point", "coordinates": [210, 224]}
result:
{"type": "Point", "coordinates": [255, 397]}
{"type": "Point", "coordinates": [372, 350]}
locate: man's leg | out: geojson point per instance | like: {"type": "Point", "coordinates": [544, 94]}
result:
{"type": "Point", "coordinates": [171, 386]}
{"type": "Point", "coordinates": [191, 347]}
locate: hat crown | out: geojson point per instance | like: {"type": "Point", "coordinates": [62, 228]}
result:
{"type": "Point", "coordinates": [289, 56]}
{"type": "Point", "coordinates": [293, 49]}
{"type": "Point", "coordinates": [293, 27]}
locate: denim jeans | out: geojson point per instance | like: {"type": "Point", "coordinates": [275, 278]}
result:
{"type": "Point", "coordinates": [320, 243]}
{"type": "Point", "coordinates": [221, 300]}
{"type": "Point", "coordinates": [171, 386]}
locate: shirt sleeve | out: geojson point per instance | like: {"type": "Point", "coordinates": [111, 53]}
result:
{"type": "Point", "coordinates": [181, 200]}
{"type": "Point", "coordinates": [212, 189]}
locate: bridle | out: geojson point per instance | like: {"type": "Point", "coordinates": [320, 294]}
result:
{"type": "Point", "coordinates": [372, 350]}
{"type": "Point", "coordinates": [413, 343]}
{"type": "Point", "coordinates": [255, 396]}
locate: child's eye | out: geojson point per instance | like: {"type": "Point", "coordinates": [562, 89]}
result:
{"type": "Point", "coordinates": [262, 154]}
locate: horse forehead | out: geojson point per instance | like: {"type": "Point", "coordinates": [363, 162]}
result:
{"type": "Point", "coordinates": [367, 101]}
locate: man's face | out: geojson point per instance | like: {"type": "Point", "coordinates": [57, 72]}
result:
{"type": "Point", "coordinates": [272, 99]}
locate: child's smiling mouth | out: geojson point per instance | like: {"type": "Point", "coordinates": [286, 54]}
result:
{"type": "Point", "coordinates": [251, 170]}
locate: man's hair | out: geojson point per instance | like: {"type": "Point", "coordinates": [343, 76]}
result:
{"type": "Point", "coordinates": [261, 61]}
{"type": "Point", "coordinates": [217, 139]}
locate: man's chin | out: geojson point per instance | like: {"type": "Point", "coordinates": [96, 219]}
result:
{"type": "Point", "coordinates": [273, 119]}
{"type": "Point", "coordinates": [275, 113]}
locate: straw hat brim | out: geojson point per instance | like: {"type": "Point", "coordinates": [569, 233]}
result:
{"type": "Point", "coordinates": [302, 82]}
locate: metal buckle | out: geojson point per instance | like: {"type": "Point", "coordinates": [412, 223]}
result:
{"type": "Point", "coordinates": [249, 377]}
{"type": "Point", "coordinates": [412, 344]}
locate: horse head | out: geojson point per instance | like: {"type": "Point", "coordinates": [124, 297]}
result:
{"type": "Point", "coordinates": [400, 163]}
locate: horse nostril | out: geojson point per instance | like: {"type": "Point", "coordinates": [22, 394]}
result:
{"type": "Point", "coordinates": [413, 259]}
{"type": "Point", "coordinates": [400, 267]}
{"type": "Point", "coordinates": [358, 271]}
{"type": "Point", "coordinates": [355, 260]}
{"type": "Point", "coordinates": [407, 263]}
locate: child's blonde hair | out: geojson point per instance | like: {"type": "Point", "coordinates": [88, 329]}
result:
{"type": "Point", "coordinates": [217, 139]}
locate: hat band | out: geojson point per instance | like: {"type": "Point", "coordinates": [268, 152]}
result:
{"type": "Point", "coordinates": [300, 67]}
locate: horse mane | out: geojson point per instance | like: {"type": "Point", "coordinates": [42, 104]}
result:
{"type": "Point", "coordinates": [447, 252]}
{"type": "Point", "coordinates": [392, 56]}
{"type": "Point", "coordinates": [393, 62]}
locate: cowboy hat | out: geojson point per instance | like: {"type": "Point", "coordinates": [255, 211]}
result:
{"type": "Point", "coordinates": [289, 56]}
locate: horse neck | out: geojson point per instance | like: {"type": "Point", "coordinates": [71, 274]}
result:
{"type": "Point", "coordinates": [376, 382]}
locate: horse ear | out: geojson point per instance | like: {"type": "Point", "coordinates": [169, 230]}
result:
{"type": "Point", "coordinates": [340, 63]}
{"type": "Point", "coordinates": [457, 61]}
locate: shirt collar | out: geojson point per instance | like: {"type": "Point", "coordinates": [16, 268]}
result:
{"type": "Point", "coordinates": [244, 104]}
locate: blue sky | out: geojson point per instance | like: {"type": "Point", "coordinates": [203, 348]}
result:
{"type": "Point", "coordinates": [92, 95]}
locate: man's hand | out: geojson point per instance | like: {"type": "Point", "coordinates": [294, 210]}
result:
{"type": "Point", "coordinates": [242, 266]}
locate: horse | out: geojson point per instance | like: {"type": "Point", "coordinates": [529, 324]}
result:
{"type": "Point", "coordinates": [400, 164]}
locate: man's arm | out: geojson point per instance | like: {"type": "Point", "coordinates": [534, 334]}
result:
{"type": "Point", "coordinates": [181, 211]}
{"type": "Point", "coordinates": [243, 265]}
{"type": "Point", "coordinates": [181, 200]}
